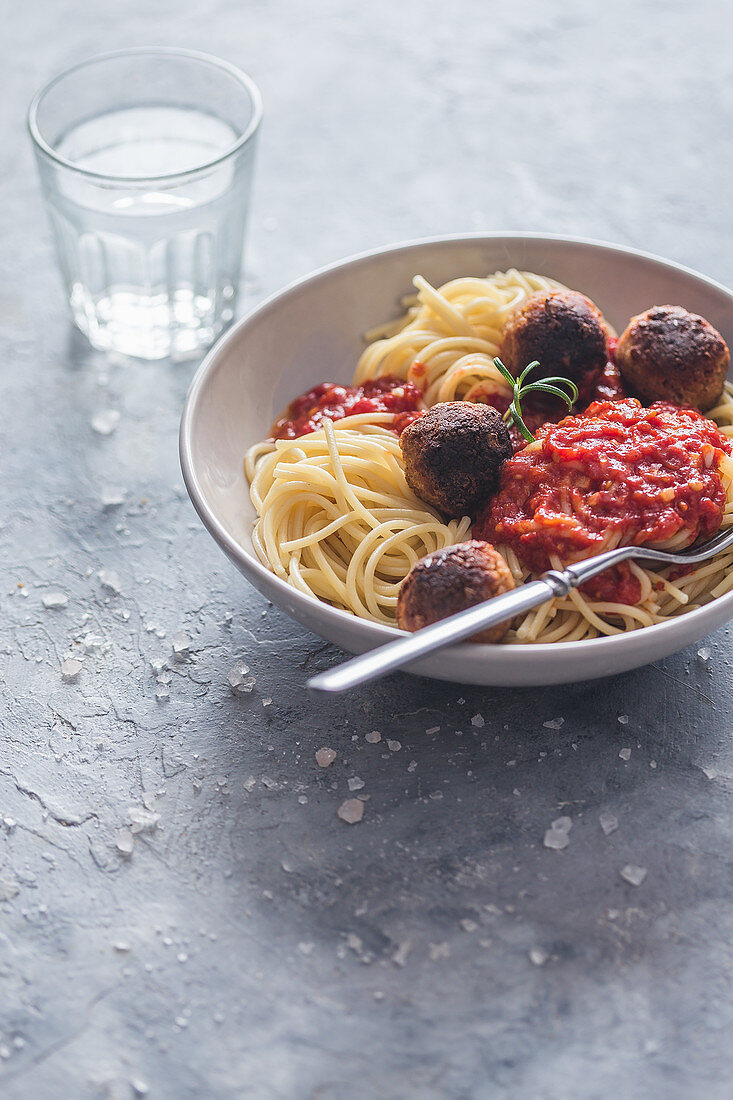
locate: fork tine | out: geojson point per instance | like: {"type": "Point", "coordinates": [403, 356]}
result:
{"type": "Point", "coordinates": [718, 542]}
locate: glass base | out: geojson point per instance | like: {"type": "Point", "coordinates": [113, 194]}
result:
{"type": "Point", "coordinates": [178, 326]}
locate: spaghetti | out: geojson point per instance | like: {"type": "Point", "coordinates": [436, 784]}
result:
{"type": "Point", "coordinates": [337, 520]}
{"type": "Point", "coordinates": [447, 340]}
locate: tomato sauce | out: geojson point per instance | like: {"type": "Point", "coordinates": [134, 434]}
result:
{"type": "Point", "coordinates": [618, 473]}
{"type": "Point", "coordinates": [388, 394]}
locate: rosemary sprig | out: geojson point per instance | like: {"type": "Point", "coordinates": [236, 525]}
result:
{"type": "Point", "coordinates": [544, 385]}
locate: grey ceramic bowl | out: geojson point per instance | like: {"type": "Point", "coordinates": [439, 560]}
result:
{"type": "Point", "coordinates": [312, 332]}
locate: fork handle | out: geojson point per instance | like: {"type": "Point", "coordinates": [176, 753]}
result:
{"type": "Point", "coordinates": [378, 662]}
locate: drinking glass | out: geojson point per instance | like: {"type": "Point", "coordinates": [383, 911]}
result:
{"type": "Point", "coordinates": [145, 158]}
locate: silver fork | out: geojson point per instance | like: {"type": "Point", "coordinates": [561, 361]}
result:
{"type": "Point", "coordinates": [553, 583]}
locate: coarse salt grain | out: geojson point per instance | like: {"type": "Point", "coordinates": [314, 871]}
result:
{"type": "Point", "coordinates": [325, 757]}
{"type": "Point", "coordinates": [109, 580]}
{"type": "Point", "coordinates": [142, 820]}
{"type": "Point", "coordinates": [400, 956]}
{"type": "Point", "coordinates": [633, 874]}
{"type": "Point", "coordinates": [439, 951]}
{"type": "Point", "coordinates": [239, 680]}
{"type": "Point", "coordinates": [556, 839]}
{"type": "Point", "coordinates": [54, 601]}
{"type": "Point", "coordinates": [111, 496]}
{"type": "Point", "coordinates": [124, 841]}
{"type": "Point", "coordinates": [105, 422]}
{"type": "Point", "coordinates": [70, 669]}
{"type": "Point", "coordinates": [351, 811]}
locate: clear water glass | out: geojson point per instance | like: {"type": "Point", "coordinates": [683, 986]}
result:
{"type": "Point", "coordinates": [146, 158]}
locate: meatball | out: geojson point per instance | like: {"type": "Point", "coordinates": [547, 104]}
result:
{"type": "Point", "coordinates": [562, 329]}
{"type": "Point", "coordinates": [668, 354]}
{"type": "Point", "coordinates": [453, 455]}
{"type": "Point", "coordinates": [450, 580]}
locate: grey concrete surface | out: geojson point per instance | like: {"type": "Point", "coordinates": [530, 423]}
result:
{"type": "Point", "coordinates": [253, 944]}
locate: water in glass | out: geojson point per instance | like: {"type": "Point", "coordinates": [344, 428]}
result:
{"type": "Point", "coordinates": [152, 266]}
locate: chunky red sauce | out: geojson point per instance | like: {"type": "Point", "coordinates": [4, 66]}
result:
{"type": "Point", "coordinates": [618, 473]}
{"type": "Point", "coordinates": [306, 413]}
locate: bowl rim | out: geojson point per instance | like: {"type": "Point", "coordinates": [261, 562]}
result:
{"type": "Point", "coordinates": [213, 361]}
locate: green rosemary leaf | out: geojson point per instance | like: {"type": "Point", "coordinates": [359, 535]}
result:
{"type": "Point", "coordinates": [524, 430]}
{"type": "Point", "coordinates": [530, 367]}
{"type": "Point", "coordinates": [543, 385]}
{"type": "Point", "coordinates": [502, 370]}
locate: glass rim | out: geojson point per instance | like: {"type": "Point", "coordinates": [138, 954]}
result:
{"type": "Point", "coordinates": [161, 51]}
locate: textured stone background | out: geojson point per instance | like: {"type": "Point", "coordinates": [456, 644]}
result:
{"type": "Point", "coordinates": [253, 945]}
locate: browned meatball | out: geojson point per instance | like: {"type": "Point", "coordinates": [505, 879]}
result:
{"type": "Point", "coordinates": [668, 354]}
{"type": "Point", "coordinates": [453, 455]}
{"type": "Point", "coordinates": [564, 330]}
{"type": "Point", "coordinates": [448, 581]}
